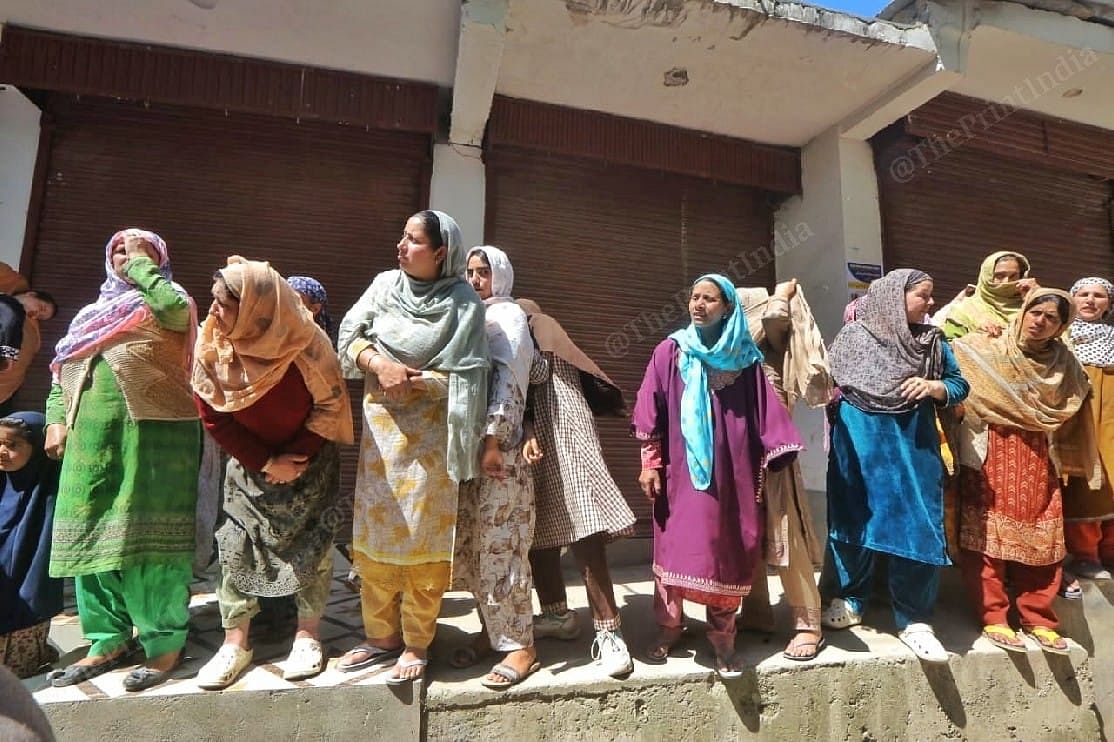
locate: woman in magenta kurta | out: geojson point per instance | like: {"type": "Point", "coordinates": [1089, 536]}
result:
{"type": "Point", "coordinates": [710, 424]}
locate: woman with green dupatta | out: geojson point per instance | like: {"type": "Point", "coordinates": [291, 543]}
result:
{"type": "Point", "coordinates": [121, 418]}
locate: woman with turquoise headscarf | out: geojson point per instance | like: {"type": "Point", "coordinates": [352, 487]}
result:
{"type": "Point", "coordinates": [710, 425]}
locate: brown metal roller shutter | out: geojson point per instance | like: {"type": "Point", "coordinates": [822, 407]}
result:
{"type": "Point", "coordinates": [611, 252]}
{"type": "Point", "coordinates": [970, 202]}
{"type": "Point", "coordinates": [312, 198]}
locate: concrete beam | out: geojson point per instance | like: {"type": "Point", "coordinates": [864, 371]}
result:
{"type": "Point", "coordinates": [907, 95]}
{"type": "Point", "coordinates": [483, 33]}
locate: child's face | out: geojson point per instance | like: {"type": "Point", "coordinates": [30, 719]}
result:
{"type": "Point", "coordinates": [15, 450]}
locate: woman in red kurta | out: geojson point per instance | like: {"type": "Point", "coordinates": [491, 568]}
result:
{"type": "Point", "coordinates": [1025, 426]}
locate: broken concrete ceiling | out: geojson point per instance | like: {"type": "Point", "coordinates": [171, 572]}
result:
{"type": "Point", "coordinates": [774, 72]}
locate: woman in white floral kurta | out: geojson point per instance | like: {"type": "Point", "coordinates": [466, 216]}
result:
{"type": "Point", "coordinates": [495, 523]}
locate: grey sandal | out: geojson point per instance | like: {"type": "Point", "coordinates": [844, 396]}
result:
{"type": "Point", "coordinates": [510, 676]}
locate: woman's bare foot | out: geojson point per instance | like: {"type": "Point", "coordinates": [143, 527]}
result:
{"type": "Point", "coordinates": [164, 662]}
{"type": "Point", "coordinates": [100, 659]}
{"type": "Point", "coordinates": [308, 628]}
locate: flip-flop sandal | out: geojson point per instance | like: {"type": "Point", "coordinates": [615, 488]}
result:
{"type": "Point", "coordinates": [997, 635]}
{"type": "Point", "coordinates": [723, 667]}
{"type": "Point", "coordinates": [510, 676]}
{"type": "Point", "coordinates": [401, 665]}
{"type": "Point", "coordinates": [817, 647]}
{"type": "Point", "coordinates": [376, 656]}
{"type": "Point", "coordinates": [658, 652]}
{"type": "Point", "coordinates": [1047, 639]}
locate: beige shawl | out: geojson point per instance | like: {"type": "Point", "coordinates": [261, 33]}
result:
{"type": "Point", "coordinates": [1038, 388]}
{"type": "Point", "coordinates": [605, 396]}
{"type": "Point", "coordinates": [804, 368]}
{"type": "Point", "coordinates": [273, 330]}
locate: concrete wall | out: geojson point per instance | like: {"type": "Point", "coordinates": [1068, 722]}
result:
{"type": "Point", "coordinates": [981, 698]}
{"type": "Point", "coordinates": [19, 143]}
{"type": "Point", "coordinates": [411, 39]}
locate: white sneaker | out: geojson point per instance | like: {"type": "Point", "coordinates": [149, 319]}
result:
{"type": "Point", "coordinates": [611, 654]}
{"type": "Point", "coordinates": [922, 640]}
{"type": "Point", "coordinates": [557, 625]}
{"type": "Point", "coordinates": [225, 667]}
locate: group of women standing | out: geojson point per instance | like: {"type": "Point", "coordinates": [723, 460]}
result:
{"type": "Point", "coordinates": [479, 460]}
{"type": "Point", "coordinates": [1010, 396]}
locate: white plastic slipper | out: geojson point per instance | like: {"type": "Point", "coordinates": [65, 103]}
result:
{"type": "Point", "coordinates": [840, 615]}
{"type": "Point", "coordinates": [922, 640]}
{"type": "Point", "coordinates": [307, 659]}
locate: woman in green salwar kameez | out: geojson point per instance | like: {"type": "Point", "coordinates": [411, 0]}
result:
{"type": "Point", "coordinates": [121, 417]}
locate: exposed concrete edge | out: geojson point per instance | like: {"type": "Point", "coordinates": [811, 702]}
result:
{"type": "Point", "coordinates": [297, 714]}
{"type": "Point", "coordinates": [878, 30]}
{"type": "Point", "coordinates": [981, 695]}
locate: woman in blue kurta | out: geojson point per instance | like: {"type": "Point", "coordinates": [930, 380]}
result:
{"type": "Point", "coordinates": [885, 474]}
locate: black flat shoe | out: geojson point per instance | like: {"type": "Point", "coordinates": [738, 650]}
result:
{"type": "Point", "coordinates": [142, 678]}
{"type": "Point", "coordinates": [75, 674]}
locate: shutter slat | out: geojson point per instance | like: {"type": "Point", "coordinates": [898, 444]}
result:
{"type": "Point", "coordinates": [604, 250]}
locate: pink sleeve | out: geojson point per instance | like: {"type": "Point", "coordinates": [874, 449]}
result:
{"type": "Point", "coordinates": [651, 454]}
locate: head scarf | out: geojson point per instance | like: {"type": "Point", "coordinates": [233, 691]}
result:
{"type": "Point", "coordinates": [312, 288]}
{"type": "Point", "coordinates": [1033, 387]}
{"type": "Point", "coordinates": [119, 308]}
{"type": "Point", "coordinates": [508, 331]}
{"type": "Point", "coordinates": [602, 394]}
{"type": "Point", "coordinates": [1093, 342]}
{"type": "Point", "coordinates": [433, 325]}
{"type": "Point", "coordinates": [992, 303]}
{"type": "Point", "coordinates": [733, 351]}
{"type": "Point", "coordinates": [872, 355]}
{"type": "Point", "coordinates": [273, 330]}
{"type": "Point", "coordinates": [28, 595]}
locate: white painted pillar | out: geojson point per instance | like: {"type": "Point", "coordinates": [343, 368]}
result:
{"type": "Point", "coordinates": [458, 185]}
{"type": "Point", "coordinates": [19, 145]}
{"type": "Point", "coordinates": [458, 188]}
{"type": "Point", "coordinates": [835, 220]}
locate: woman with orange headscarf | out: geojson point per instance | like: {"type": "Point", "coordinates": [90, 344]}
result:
{"type": "Point", "coordinates": [270, 392]}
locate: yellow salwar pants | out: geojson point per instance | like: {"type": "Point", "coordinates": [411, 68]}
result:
{"type": "Point", "coordinates": [401, 599]}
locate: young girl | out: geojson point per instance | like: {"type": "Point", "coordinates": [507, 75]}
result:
{"type": "Point", "coordinates": [29, 598]}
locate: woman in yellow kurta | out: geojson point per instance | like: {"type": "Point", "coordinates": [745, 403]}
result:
{"type": "Point", "coordinates": [417, 338]}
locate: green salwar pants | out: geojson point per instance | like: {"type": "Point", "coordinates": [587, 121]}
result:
{"type": "Point", "coordinates": [152, 598]}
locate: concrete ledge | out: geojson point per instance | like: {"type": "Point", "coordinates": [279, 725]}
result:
{"type": "Point", "coordinates": [865, 686]}
{"type": "Point", "coordinates": [371, 712]}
